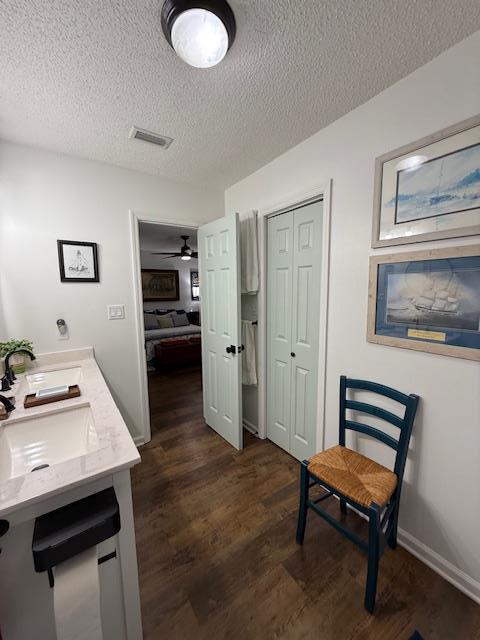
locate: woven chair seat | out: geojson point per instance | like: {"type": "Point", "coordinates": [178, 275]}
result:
{"type": "Point", "coordinates": [353, 475]}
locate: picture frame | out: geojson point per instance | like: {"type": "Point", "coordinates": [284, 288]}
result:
{"type": "Point", "coordinates": [427, 301]}
{"type": "Point", "coordinates": [429, 189]}
{"type": "Point", "coordinates": [194, 284]}
{"type": "Point", "coordinates": [78, 261]}
{"type": "Point", "coordinates": [160, 284]}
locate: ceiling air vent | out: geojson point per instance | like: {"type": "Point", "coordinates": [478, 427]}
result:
{"type": "Point", "coordinates": [149, 136]}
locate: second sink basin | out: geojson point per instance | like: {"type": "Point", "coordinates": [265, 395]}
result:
{"type": "Point", "coordinates": [47, 439]}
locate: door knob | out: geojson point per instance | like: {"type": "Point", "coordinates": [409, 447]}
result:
{"type": "Point", "coordinates": [231, 349]}
{"type": "Point", "coordinates": [292, 354]}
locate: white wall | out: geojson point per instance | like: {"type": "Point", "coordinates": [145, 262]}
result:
{"type": "Point", "coordinates": [46, 196]}
{"type": "Point", "coordinates": [441, 500]}
{"type": "Point", "coordinates": [183, 267]}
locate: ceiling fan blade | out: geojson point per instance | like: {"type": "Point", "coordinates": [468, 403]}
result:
{"type": "Point", "coordinates": [171, 254]}
{"type": "Point", "coordinates": [169, 257]}
{"type": "Point", "coordinates": [194, 254]}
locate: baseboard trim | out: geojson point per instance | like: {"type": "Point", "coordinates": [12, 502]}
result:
{"type": "Point", "coordinates": [139, 440]}
{"type": "Point", "coordinates": [462, 581]}
{"type": "Point", "coordinates": [249, 426]}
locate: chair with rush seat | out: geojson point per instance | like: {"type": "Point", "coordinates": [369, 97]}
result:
{"type": "Point", "coordinates": [366, 485]}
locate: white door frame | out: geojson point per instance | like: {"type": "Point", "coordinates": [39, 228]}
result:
{"type": "Point", "coordinates": [316, 192]}
{"type": "Point", "coordinates": [135, 219]}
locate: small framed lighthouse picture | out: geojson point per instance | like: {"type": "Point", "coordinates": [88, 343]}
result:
{"type": "Point", "coordinates": [78, 261]}
{"type": "Point", "coordinates": [427, 301]}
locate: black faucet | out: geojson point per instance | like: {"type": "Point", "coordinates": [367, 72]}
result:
{"type": "Point", "coordinates": [8, 404]}
{"type": "Point", "coordinates": [9, 374]}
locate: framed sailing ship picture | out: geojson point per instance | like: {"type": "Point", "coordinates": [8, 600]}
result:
{"type": "Point", "coordinates": [427, 301]}
{"type": "Point", "coordinates": [78, 261]}
{"type": "Point", "coordinates": [430, 189]}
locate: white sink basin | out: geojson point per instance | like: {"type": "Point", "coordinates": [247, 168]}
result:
{"type": "Point", "coordinates": [45, 440]}
{"type": "Point", "coordinates": [48, 379]}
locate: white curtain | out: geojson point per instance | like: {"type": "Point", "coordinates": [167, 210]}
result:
{"type": "Point", "coordinates": [249, 358]}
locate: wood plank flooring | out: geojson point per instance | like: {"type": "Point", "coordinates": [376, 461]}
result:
{"type": "Point", "coordinates": [217, 554]}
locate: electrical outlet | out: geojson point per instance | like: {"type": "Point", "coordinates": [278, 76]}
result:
{"type": "Point", "coordinates": [116, 311]}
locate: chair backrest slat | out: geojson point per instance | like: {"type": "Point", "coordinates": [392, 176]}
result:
{"type": "Point", "coordinates": [375, 387]}
{"type": "Point", "coordinates": [364, 407]}
{"type": "Point", "coordinates": [372, 431]}
{"type": "Point", "coordinates": [405, 423]}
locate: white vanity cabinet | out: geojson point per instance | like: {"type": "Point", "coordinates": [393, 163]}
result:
{"type": "Point", "coordinates": [26, 599]}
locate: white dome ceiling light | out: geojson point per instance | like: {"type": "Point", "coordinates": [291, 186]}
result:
{"type": "Point", "coordinates": [201, 32]}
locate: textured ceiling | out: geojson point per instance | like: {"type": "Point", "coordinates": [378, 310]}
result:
{"type": "Point", "coordinates": [161, 237]}
{"type": "Point", "coordinates": [75, 76]}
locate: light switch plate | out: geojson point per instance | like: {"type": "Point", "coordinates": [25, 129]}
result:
{"type": "Point", "coordinates": [116, 311]}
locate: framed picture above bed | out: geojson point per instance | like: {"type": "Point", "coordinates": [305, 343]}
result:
{"type": "Point", "coordinates": [429, 189]}
{"type": "Point", "coordinates": [160, 284]}
{"type": "Point", "coordinates": [427, 301]}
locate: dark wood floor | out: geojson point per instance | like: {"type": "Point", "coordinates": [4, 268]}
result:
{"type": "Point", "coordinates": [217, 555]}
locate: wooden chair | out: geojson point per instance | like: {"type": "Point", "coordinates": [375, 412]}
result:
{"type": "Point", "coordinates": [368, 486]}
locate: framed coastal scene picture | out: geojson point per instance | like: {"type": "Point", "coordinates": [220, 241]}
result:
{"type": "Point", "coordinates": [427, 301]}
{"type": "Point", "coordinates": [430, 189]}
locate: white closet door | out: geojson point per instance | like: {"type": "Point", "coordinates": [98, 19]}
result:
{"type": "Point", "coordinates": [307, 260]}
{"type": "Point", "coordinates": [293, 307]}
{"type": "Point", "coordinates": [279, 328]}
{"type": "Point", "coordinates": [219, 257]}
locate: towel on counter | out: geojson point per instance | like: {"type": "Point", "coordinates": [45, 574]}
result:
{"type": "Point", "coordinates": [249, 252]}
{"type": "Point", "coordinates": [249, 364]}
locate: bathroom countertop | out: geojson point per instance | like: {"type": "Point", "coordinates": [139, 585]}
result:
{"type": "Point", "coordinates": [116, 450]}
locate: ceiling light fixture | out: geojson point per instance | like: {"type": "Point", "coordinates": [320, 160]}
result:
{"type": "Point", "coordinates": [200, 31]}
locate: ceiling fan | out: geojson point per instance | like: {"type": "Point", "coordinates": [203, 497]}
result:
{"type": "Point", "coordinates": [185, 252]}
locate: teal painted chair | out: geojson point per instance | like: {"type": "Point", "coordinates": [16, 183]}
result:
{"type": "Point", "coordinates": [358, 481]}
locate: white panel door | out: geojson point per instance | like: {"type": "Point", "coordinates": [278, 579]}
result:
{"type": "Point", "coordinates": [219, 259]}
{"type": "Point", "coordinates": [307, 260]}
{"type": "Point", "coordinates": [293, 300]}
{"type": "Point", "coordinates": [279, 328]}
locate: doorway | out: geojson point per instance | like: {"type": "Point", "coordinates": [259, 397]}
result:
{"type": "Point", "coordinates": [165, 289]}
{"type": "Point", "coordinates": [171, 314]}
{"type": "Point", "coordinates": [216, 343]}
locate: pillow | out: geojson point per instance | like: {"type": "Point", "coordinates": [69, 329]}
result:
{"type": "Point", "coordinates": [150, 320]}
{"type": "Point", "coordinates": [165, 322]}
{"type": "Point", "coordinates": [180, 320]}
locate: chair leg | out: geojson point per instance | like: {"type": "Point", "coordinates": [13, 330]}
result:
{"type": "Point", "coordinates": [373, 557]}
{"type": "Point", "coordinates": [303, 508]}
{"type": "Point", "coordinates": [343, 505]}
{"type": "Point", "coordinates": [392, 536]}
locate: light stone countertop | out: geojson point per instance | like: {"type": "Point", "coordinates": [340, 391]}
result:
{"type": "Point", "coordinates": [116, 451]}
